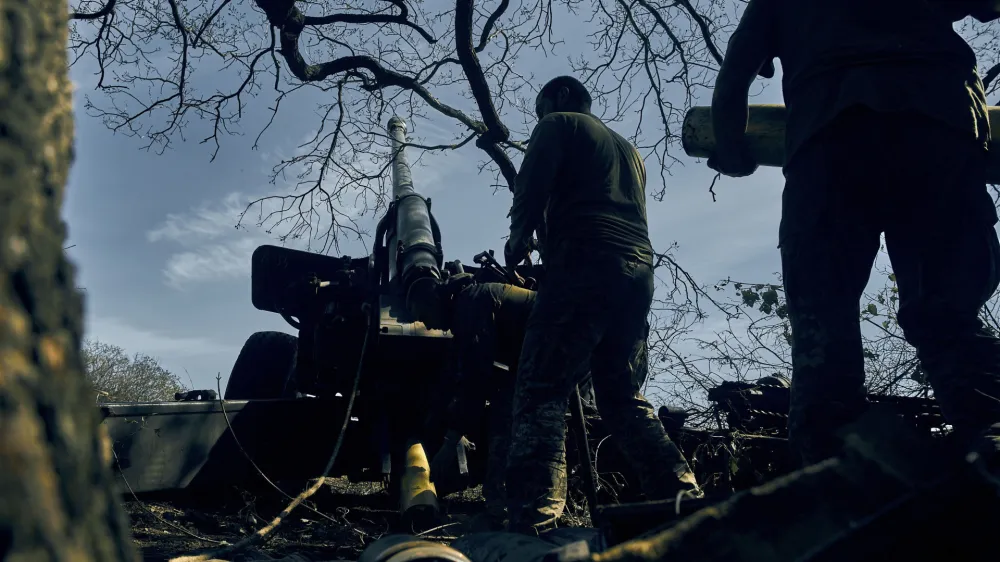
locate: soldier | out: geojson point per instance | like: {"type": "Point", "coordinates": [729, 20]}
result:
{"type": "Point", "coordinates": [886, 133]}
{"type": "Point", "coordinates": [582, 188]}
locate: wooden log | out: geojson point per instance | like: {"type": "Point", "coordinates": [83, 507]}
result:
{"type": "Point", "coordinates": [766, 134]}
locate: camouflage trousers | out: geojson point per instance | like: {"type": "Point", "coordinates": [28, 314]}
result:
{"type": "Point", "coordinates": [494, 486]}
{"type": "Point", "coordinates": [922, 185]}
{"type": "Point", "coordinates": [590, 314]}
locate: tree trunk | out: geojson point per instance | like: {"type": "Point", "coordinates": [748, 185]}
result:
{"type": "Point", "coordinates": [56, 496]}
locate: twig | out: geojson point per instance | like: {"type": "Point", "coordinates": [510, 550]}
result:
{"type": "Point", "coordinates": [438, 528]}
{"type": "Point", "coordinates": [711, 188]}
{"type": "Point", "coordinates": [441, 537]}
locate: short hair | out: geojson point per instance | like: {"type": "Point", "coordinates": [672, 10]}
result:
{"type": "Point", "coordinates": [578, 93]}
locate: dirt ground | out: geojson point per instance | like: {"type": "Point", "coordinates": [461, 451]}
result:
{"type": "Point", "coordinates": [337, 523]}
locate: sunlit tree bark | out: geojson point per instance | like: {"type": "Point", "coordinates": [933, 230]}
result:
{"type": "Point", "coordinates": [56, 495]}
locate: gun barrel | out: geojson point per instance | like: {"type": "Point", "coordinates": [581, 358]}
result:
{"type": "Point", "coordinates": [414, 253]}
{"type": "Point", "coordinates": [766, 136]}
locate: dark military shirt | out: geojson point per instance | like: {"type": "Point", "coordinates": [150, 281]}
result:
{"type": "Point", "coordinates": [888, 55]}
{"type": "Point", "coordinates": [581, 186]}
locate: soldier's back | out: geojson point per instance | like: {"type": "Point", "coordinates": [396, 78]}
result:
{"type": "Point", "coordinates": [829, 35]}
{"type": "Point", "coordinates": [887, 55]}
{"type": "Point", "coordinates": [598, 202]}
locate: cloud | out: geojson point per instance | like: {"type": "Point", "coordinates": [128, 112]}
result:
{"type": "Point", "coordinates": [209, 247]}
{"type": "Point", "coordinates": [213, 249]}
{"type": "Point", "coordinates": [137, 340]}
{"type": "Point", "coordinates": [205, 222]}
{"type": "Point", "coordinates": [214, 262]}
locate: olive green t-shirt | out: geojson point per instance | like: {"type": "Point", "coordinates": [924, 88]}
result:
{"type": "Point", "coordinates": [888, 55]}
{"type": "Point", "coordinates": [582, 187]}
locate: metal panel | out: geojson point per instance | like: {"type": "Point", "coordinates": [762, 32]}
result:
{"type": "Point", "coordinates": [171, 445]}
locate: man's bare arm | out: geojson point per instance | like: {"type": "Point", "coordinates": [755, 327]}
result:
{"type": "Point", "coordinates": [534, 182]}
{"type": "Point", "coordinates": [750, 49]}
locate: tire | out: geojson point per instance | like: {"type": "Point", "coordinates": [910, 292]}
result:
{"type": "Point", "coordinates": [263, 367]}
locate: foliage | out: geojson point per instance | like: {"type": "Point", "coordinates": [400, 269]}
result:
{"type": "Point", "coordinates": [116, 377]}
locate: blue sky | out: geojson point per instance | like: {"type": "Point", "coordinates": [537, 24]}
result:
{"type": "Point", "coordinates": [167, 273]}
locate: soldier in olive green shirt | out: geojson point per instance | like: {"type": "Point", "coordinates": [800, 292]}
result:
{"type": "Point", "coordinates": [886, 133]}
{"type": "Point", "coordinates": [581, 187]}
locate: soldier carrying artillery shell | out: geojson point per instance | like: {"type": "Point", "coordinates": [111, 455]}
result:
{"type": "Point", "coordinates": [887, 132]}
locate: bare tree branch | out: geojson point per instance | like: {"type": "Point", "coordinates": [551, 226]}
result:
{"type": "Point", "coordinates": [104, 11]}
{"type": "Point", "coordinates": [401, 18]}
{"type": "Point", "coordinates": [484, 37]}
{"type": "Point", "coordinates": [706, 32]}
{"type": "Point", "coordinates": [496, 132]}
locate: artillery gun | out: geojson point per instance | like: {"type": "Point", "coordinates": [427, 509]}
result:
{"type": "Point", "coordinates": [358, 337]}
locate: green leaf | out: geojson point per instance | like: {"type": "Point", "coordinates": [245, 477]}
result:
{"type": "Point", "coordinates": [872, 309]}
{"type": "Point", "coordinates": [770, 296]}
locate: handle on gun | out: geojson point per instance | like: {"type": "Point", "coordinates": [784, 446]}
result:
{"type": "Point", "coordinates": [487, 258]}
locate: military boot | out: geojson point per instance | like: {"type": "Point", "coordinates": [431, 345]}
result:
{"type": "Point", "coordinates": [685, 486]}
{"type": "Point", "coordinates": [814, 428]}
{"type": "Point", "coordinates": [689, 488]}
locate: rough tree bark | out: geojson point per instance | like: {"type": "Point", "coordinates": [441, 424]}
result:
{"type": "Point", "coordinates": [56, 495]}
